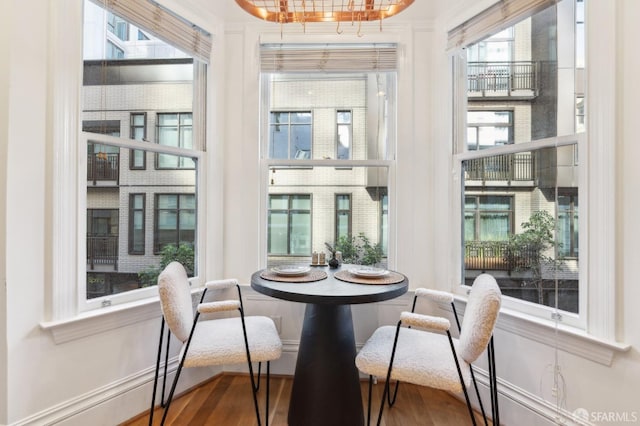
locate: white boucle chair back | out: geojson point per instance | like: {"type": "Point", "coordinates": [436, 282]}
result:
{"type": "Point", "coordinates": [480, 317]}
{"type": "Point", "coordinates": [175, 300]}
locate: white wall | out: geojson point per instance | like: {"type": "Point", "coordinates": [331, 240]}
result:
{"type": "Point", "coordinates": [103, 378]}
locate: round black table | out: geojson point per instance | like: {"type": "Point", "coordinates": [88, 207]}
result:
{"type": "Point", "coordinates": [326, 383]}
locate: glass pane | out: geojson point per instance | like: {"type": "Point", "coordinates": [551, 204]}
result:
{"type": "Point", "coordinates": [117, 180]}
{"type": "Point", "coordinates": [301, 118]}
{"type": "Point", "coordinates": [280, 202]}
{"type": "Point", "coordinates": [187, 220]}
{"type": "Point", "coordinates": [363, 102]}
{"type": "Point", "coordinates": [342, 226]}
{"type": "Point", "coordinates": [167, 220]}
{"type": "Point", "coordinates": [279, 141]}
{"type": "Point", "coordinates": [278, 231]}
{"type": "Point", "coordinates": [344, 142]}
{"type": "Point", "coordinates": [301, 202]}
{"type": "Point", "coordinates": [307, 223]}
{"type": "Point", "coordinates": [300, 233]}
{"type": "Point", "coordinates": [344, 117]}
{"type": "Point", "coordinates": [300, 142]}
{"type": "Point", "coordinates": [343, 202]}
{"type": "Point", "coordinates": [167, 202]}
{"type": "Point", "coordinates": [526, 232]}
{"type": "Point", "coordinates": [168, 120]}
{"type": "Point", "coordinates": [168, 136]}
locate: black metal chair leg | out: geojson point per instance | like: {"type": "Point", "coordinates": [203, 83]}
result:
{"type": "Point", "coordinates": [163, 401]}
{"type": "Point", "coordinates": [253, 382]}
{"type": "Point", "coordinates": [257, 388]}
{"type": "Point", "coordinates": [157, 373]}
{"type": "Point", "coordinates": [493, 383]}
{"type": "Point", "coordinates": [464, 388]}
{"type": "Point", "coordinates": [171, 392]}
{"type": "Point", "coordinates": [266, 410]}
{"type": "Point", "coordinates": [386, 385]}
{"type": "Point", "coordinates": [475, 385]}
{"type": "Point", "coordinates": [369, 400]}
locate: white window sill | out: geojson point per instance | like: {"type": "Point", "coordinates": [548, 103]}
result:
{"type": "Point", "coordinates": [103, 319]}
{"type": "Point", "coordinates": [568, 339]}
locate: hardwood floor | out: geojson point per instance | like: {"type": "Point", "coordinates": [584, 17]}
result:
{"type": "Point", "coordinates": [226, 401]}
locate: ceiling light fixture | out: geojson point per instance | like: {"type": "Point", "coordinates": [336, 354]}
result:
{"type": "Point", "coordinates": [303, 11]}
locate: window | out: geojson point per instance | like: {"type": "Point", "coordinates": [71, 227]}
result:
{"type": "Point", "coordinates": [289, 225]}
{"type": "Point", "coordinates": [175, 130]}
{"type": "Point", "coordinates": [343, 216]}
{"type": "Point", "coordinates": [330, 136]}
{"type": "Point", "coordinates": [384, 224]}
{"type": "Point", "coordinates": [118, 27]}
{"type": "Point", "coordinates": [344, 126]}
{"type": "Point", "coordinates": [154, 210]}
{"type": "Point", "coordinates": [113, 51]}
{"type": "Point", "coordinates": [290, 135]}
{"type": "Point", "coordinates": [136, 223]}
{"type": "Point", "coordinates": [489, 128]}
{"type": "Point", "coordinates": [175, 220]}
{"type": "Point", "coordinates": [138, 158]}
{"type": "Point", "coordinates": [568, 225]}
{"type": "Point", "coordinates": [519, 162]}
{"type": "Point", "coordinates": [487, 218]}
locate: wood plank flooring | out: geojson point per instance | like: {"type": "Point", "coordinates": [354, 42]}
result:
{"type": "Point", "coordinates": [226, 401]}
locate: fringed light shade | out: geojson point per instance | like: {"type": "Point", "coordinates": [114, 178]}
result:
{"type": "Point", "coordinates": [303, 11]}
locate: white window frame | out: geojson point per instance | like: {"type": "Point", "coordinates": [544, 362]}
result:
{"type": "Point", "coordinates": [69, 315]}
{"type": "Point", "coordinates": [597, 154]}
{"type": "Point", "coordinates": [266, 163]}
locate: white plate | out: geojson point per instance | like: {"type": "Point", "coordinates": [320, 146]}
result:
{"type": "Point", "coordinates": [291, 271]}
{"type": "Point", "coordinates": [368, 272]}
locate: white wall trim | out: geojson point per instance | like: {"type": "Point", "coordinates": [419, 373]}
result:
{"type": "Point", "coordinates": [107, 394]}
{"type": "Point", "coordinates": [568, 339]}
{"type": "Point", "coordinates": [101, 320]}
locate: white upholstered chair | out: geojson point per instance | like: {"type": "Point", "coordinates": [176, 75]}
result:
{"type": "Point", "coordinates": [421, 350]}
{"type": "Point", "coordinates": [232, 340]}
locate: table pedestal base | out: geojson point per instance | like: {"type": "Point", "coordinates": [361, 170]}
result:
{"type": "Point", "coordinates": [326, 385]}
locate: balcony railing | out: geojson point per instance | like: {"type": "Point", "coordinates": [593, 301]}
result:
{"type": "Point", "coordinates": [491, 78]}
{"type": "Point", "coordinates": [495, 256]}
{"type": "Point", "coordinates": [506, 167]}
{"type": "Point", "coordinates": [103, 166]}
{"type": "Point", "coordinates": [102, 251]}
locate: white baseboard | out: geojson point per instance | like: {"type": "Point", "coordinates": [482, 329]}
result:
{"type": "Point", "coordinates": [126, 398]}
{"type": "Point", "coordinates": [114, 403]}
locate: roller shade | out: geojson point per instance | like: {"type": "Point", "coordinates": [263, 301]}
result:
{"type": "Point", "coordinates": [501, 15]}
{"type": "Point", "coordinates": [328, 58]}
{"type": "Point", "coordinates": [163, 24]}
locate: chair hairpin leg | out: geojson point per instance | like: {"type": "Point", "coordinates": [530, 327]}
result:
{"type": "Point", "coordinates": [267, 396]}
{"type": "Point", "coordinates": [163, 400]}
{"type": "Point", "coordinates": [475, 385]}
{"type": "Point", "coordinates": [493, 383]}
{"type": "Point", "coordinates": [257, 388]}
{"type": "Point", "coordinates": [253, 382]}
{"type": "Point", "coordinates": [464, 388]}
{"type": "Point", "coordinates": [157, 373]}
{"type": "Point", "coordinates": [386, 385]}
{"type": "Point", "coordinates": [369, 400]}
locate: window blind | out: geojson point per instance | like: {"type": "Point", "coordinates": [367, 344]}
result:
{"type": "Point", "coordinates": [163, 24]}
{"type": "Point", "coordinates": [329, 58]}
{"type": "Point", "coordinates": [497, 17]}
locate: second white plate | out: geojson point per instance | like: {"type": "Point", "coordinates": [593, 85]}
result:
{"type": "Point", "coordinates": [369, 272]}
{"type": "Point", "coordinates": [291, 271]}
